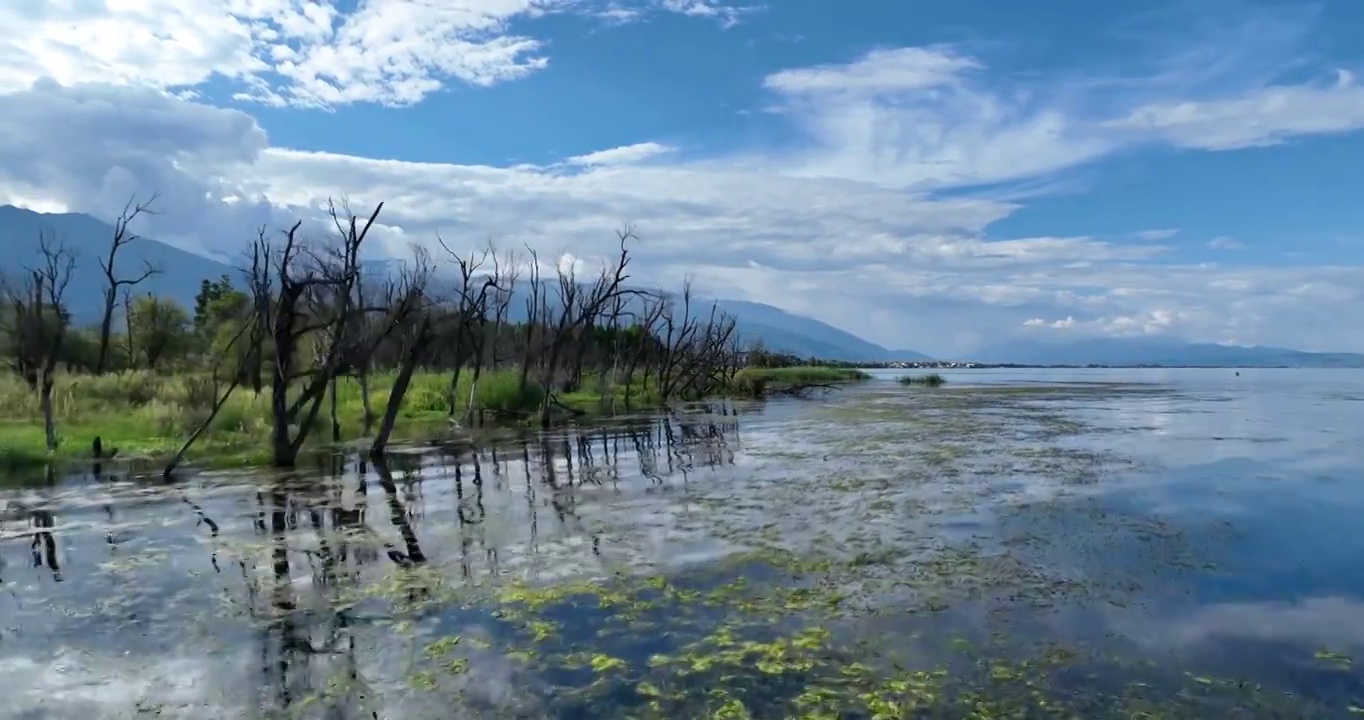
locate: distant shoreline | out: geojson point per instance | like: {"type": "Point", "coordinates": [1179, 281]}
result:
{"type": "Point", "coordinates": [949, 365]}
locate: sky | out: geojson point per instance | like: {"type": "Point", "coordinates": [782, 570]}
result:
{"type": "Point", "coordinates": [930, 175]}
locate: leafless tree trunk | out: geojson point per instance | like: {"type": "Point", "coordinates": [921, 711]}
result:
{"type": "Point", "coordinates": [417, 337]}
{"type": "Point", "coordinates": [223, 387]}
{"type": "Point", "coordinates": [40, 323]}
{"type": "Point", "coordinates": [533, 319]}
{"type": "Point", "coordinates": [128, 324]}
{"type": "Point", "coordinates": [362, 366]}
{"type": "Point", "coordinates": [261, 286]}
{"type": "Point", "coordinates": [468, 300]}
{"type": "Point", "coordinates": [336, 422]}
{"type": "Point", "coordinates": [504, 279]}
{"type": "Point", "coordinates": [112, 282]}
{"type": "Point", "coordinates": [580, 306]}
{"type": "Point", "coordinates": [306, 292]}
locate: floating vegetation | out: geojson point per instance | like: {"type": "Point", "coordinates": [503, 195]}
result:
{"type": "Point", "coordinates": [881, 554]}
{"type": "Point", "coordinates": [929, 380]}
{"type": "Point", "coordinates": [767, 658]}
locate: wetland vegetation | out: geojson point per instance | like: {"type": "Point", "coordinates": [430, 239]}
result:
{"type": "Point", "coordinates": [929, 380]}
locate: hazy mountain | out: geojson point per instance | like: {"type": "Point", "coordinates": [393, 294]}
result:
{"type": "Point", "coordinates": [773, 325]}
{"type": "Point", "coordinates": [182, 272]}
{"type": "Point", "coordinates": [1156, 351]}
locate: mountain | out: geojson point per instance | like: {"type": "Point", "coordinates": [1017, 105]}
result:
{"type": "Point", "coordinates": [88, 238]}
{"type": "Point", "coordinates": [777, 327]}
{"type": "Point", "coordinates": [1156, 351]}
{"type": "Point", "coordinates": [182, 272]}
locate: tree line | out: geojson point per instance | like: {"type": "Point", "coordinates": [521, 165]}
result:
{"type": "Point", "coordinates": [305, 312]}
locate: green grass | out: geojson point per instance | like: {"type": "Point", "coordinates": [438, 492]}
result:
{"type": "Point", "coordinates": [149, 415]}
{"type": "Point", "coordinates": [146, 414]}
{"type": "Point", "coordinates": [930, 380]}
{"type": "Point", "coordinates": [756, 382]}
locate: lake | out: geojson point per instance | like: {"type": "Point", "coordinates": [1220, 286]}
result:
{"type": "Point", "coordinates": [1014, 544]}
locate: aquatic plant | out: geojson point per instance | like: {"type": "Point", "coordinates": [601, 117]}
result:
{"type": "Point", "coordinates": [930, 380]}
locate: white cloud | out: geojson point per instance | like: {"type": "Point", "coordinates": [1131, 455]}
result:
{"type": "Point", "coordinates": [624, 155]}
{"type": "Point", "coordinates": [1160, 234]}
{"type": "Point", "coordinates": [727, 15]}
{"type": "Point", "coordinates": [1314, 622]}
{"type": "Point", "coordinates": [1155, 322]}
{"type": "Point", "coordinates": [1223, 242]}
{"type": "Point", "coordinates": [924, 118]}
{"type": "Point", "coordinates": [860, 222]}
{"type": "Point", "coordinates": [293, 52]}
{"type": "Point", "coordinates": [879, 71]}
{"type": "Point", "coordinates": [1262, 116]}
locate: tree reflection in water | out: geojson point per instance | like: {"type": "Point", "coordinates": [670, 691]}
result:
{"type": "Point", "coordinates": [308, 552]}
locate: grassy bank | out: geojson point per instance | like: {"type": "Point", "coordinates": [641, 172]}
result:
{"type": "Point", "coordinates": [147, 414]}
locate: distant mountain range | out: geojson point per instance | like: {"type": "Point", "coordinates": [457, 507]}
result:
{"type": "Point", "coordinates": [1156, 351]}
{"type": "Point", "coordinates": [182, 272]}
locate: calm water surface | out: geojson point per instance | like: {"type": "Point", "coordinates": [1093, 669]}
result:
{"type": "Point", "coordinates": [1094, 543]}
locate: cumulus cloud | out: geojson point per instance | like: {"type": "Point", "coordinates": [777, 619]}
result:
{"type": "Point", "coordinates": [1156, 322]}
{"type": "Point", "coordinates": [294, 52]}
{"type": "Point", "coordinates": [88, 148]}
{"type": "Point", "coordinates": [873, 219]}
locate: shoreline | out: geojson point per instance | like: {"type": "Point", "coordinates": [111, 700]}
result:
{"type": "Point", "coordinates": [146, 416]}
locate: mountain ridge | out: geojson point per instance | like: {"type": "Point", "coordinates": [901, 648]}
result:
{"type": "Point", "coordinates": [1164, 351]}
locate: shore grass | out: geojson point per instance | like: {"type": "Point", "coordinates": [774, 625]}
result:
{"type": "Point", "coordinates": [930, 380]}
{"type": "Point", "coordinates": [149, 415]}
{"type": "Point", "coordinates": [757, 382]}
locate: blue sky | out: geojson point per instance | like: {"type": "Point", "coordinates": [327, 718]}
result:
{"type": "Point", "coordinates": [927, 174]}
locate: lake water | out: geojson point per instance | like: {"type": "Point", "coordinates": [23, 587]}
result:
{"type": "Point", "coordinates": [1069, 543]}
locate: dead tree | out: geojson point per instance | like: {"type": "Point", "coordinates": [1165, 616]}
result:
{"type": "Point", "coordinates": [645, 340]}
{"type": "Point", "coordinates": [610, 363]}
{"type": "Point", "coordinates": [223, 384]}
{"type": "Point", "coordinates": [260, 284]}
{"type": "Point", "coordinates": [417, 332]}
{"type": "Point", "coordinates": [359, 332]}
{"type": "Point", "coordinates": [112, 282]}
{"type": "Point", "coordinates": [508, 275]}
{"type": "Point", "coordinates": [579, 306]}
{"type": "Point", "coordinates": [360, 367]}
{"type": "Point", "coordinates": [305, 291]}
{"type": "Point", "coordinates": [129, 343]}
{"type": "Point", "coordinates": [504, 276]}
{"type": "Point", "coordinates": [534, 317]}
{"type": "Point", "coordinates": [694, 358]}
{"type": "Point", "coordinates": [40, 322]}
{"type": "Point", "coordinates": [472, 312]}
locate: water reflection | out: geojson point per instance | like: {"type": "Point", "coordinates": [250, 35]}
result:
{"type": "Point", "coordinates": [292, 555]}
{"type": "Point", "coordinates": [414, 586]}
